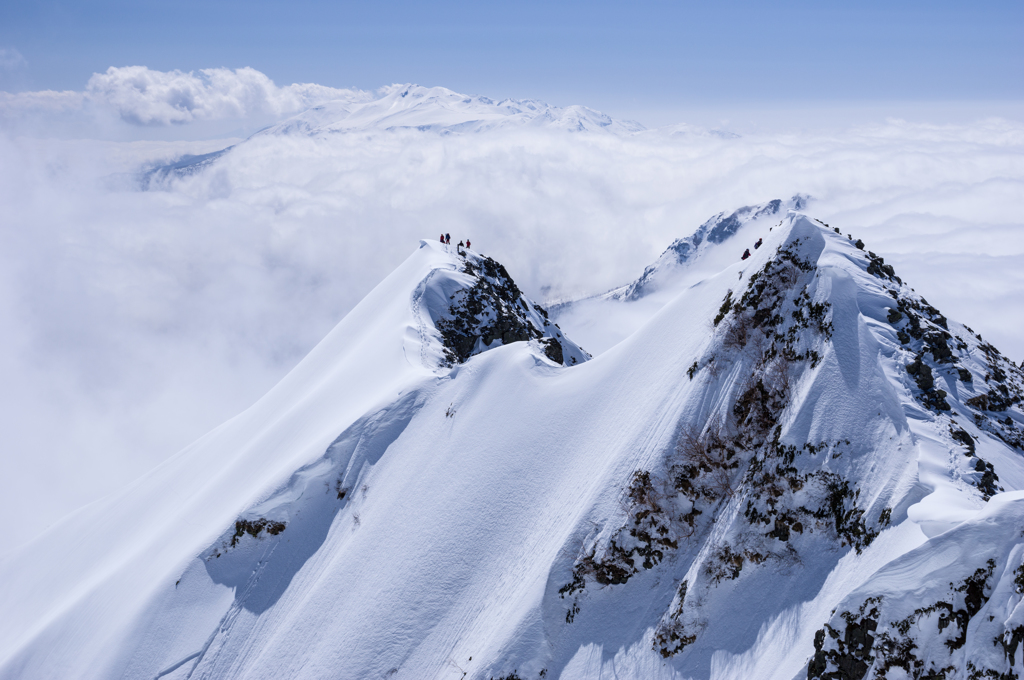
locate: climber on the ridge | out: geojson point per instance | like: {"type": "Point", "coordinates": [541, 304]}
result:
{"type": "Point", "coordinates": [442, 238]}
{"type": "Point", "coordinates": [746, 254]}
{"type": "Point", "coordinates": [467, 244]}
{"type": "Point", "coordinates": [758, 244]}
{"type": "Point", "coordinates": [448, 239]}
{"type": "Point", "coordinates": [460, 244]}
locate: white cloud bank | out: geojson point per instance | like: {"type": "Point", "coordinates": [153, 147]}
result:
{"type": "Point", "coordinates": [132, 322]}
{"type": "Point", "coordinates": [147, 97]}
{"type": "Point", "coordinates": [142, 96]}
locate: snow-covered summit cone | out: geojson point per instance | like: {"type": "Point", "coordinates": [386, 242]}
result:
{"type": "Point", "coordinates": [438, 109]}
{"type": "Point", "coordinates": [793, 433]}
{"type": "Point", "coordinates": [601, 321]}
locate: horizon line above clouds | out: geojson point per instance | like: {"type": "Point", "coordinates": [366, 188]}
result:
{"type": "Point", "coordinates": [151, 102]}
{"type": "Point", "coordinates": [137, 102]}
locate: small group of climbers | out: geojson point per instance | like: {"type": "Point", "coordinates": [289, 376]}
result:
{"type": "Point", "coordinates": [746, 253]}
{"type": "Point", "coordinates": [447, 240]}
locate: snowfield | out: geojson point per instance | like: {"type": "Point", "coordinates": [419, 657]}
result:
{"type": "Point", "coordinates": [789, 466]}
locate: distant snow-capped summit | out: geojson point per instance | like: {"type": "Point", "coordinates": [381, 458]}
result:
{"type": "Point", "coordinates": [408, 107]}
{"type": "Point", "coordinates": [438, 109]}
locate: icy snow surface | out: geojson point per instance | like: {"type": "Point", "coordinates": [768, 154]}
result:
{"type": "Point", "coordinates": [699, 500]}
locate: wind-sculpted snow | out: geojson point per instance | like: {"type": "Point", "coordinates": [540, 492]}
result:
{"type": "Point", "coordinates": [796, 467]}
{"type": "Point", "coordinates": [949, 609]}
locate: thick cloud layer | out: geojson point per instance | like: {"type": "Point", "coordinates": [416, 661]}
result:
{"type": "Point", "coordinates": [131, 322]}
{"type": "Point", "coordinates": [142, 96]}
{"type": "Point", "coordinates": [146, 97]}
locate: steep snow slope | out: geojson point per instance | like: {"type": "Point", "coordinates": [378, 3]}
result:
{"type": "Point", "coordinates": [385, 345]}
{"type": "Point", "coordinates": [601, 321]}
{"type": "Point", "coordinates": [695, 502]}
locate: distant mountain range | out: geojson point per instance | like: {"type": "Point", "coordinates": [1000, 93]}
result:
{"type": "Point", "coordinates": [437, 110]}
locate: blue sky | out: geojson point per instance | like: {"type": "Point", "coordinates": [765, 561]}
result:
{"type": "Point", "coordinates": [606, 55]}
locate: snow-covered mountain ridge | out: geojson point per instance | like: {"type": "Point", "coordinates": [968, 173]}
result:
{"type": "Point", "coordinates": [409, 108]}
{"type": "Point", "coordinates": [603, 320]}
{"type": "Point", "coordinates": [796, 467]}
{"type": "Point", "coordinates": [438, 109]}
{"type": "Point", "coordinates": [714, 231]}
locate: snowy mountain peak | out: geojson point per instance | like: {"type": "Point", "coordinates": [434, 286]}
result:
{"type": "Point", "coordinates": [438, 109]}
{"type": "Point", "coordinates": [714, 231]}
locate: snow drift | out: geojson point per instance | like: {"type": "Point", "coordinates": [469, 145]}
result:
{"type": "Point", "coordinates": [796, 467]}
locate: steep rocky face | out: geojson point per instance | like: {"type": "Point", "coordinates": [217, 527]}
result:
{"type": "Point", "coordinates": [486, 309]}
{"type": "Point", "coordinates": [958, 617]}
{"type": "Point", "coordinates": [981, 383]}
{"type": "Point", "coordinates": [738, 496]}
{"type": "Point", "coordinates": [961, 617]}
{"type": "Point", "coordinates": [747, 493]}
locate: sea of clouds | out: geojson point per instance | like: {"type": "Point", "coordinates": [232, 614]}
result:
{"type": "Point", "coordinates": [131, 321]}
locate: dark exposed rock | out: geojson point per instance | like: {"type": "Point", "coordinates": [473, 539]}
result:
{"type": "Point", "coordinates": [494, 311]}
{"type": "Point", "coordinates": [922, 374]}
{"type": "Point", "coordinates": [869, 640]}
{"type": "Point", "coordinates": [255, 527]}
{"type": "Point", "coordinates": [990, 401]}
{"type": "Point", "coordinates": [938, 346]}
{"type": "Point", "coordinates": [553, 350]}
{"type": "Point", "coordinates": [852, 656]}
{"type": "Point", "coordinates": [964, 438]}
{"type": "Point", "coordinates": [878, 267]}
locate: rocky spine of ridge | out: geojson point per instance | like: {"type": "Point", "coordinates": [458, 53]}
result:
{"type": "Point", "coordinates": [489, 310]}
{"type": "Point", "coordinates": [967, 621]}
{"type": "Point", "coordinates": [788, 503]}
{"type": "Point", "coordinates": [736, 494]}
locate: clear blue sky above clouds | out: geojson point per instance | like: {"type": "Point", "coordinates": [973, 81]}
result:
{"type": "Point", "coordinates": [603, 54]}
